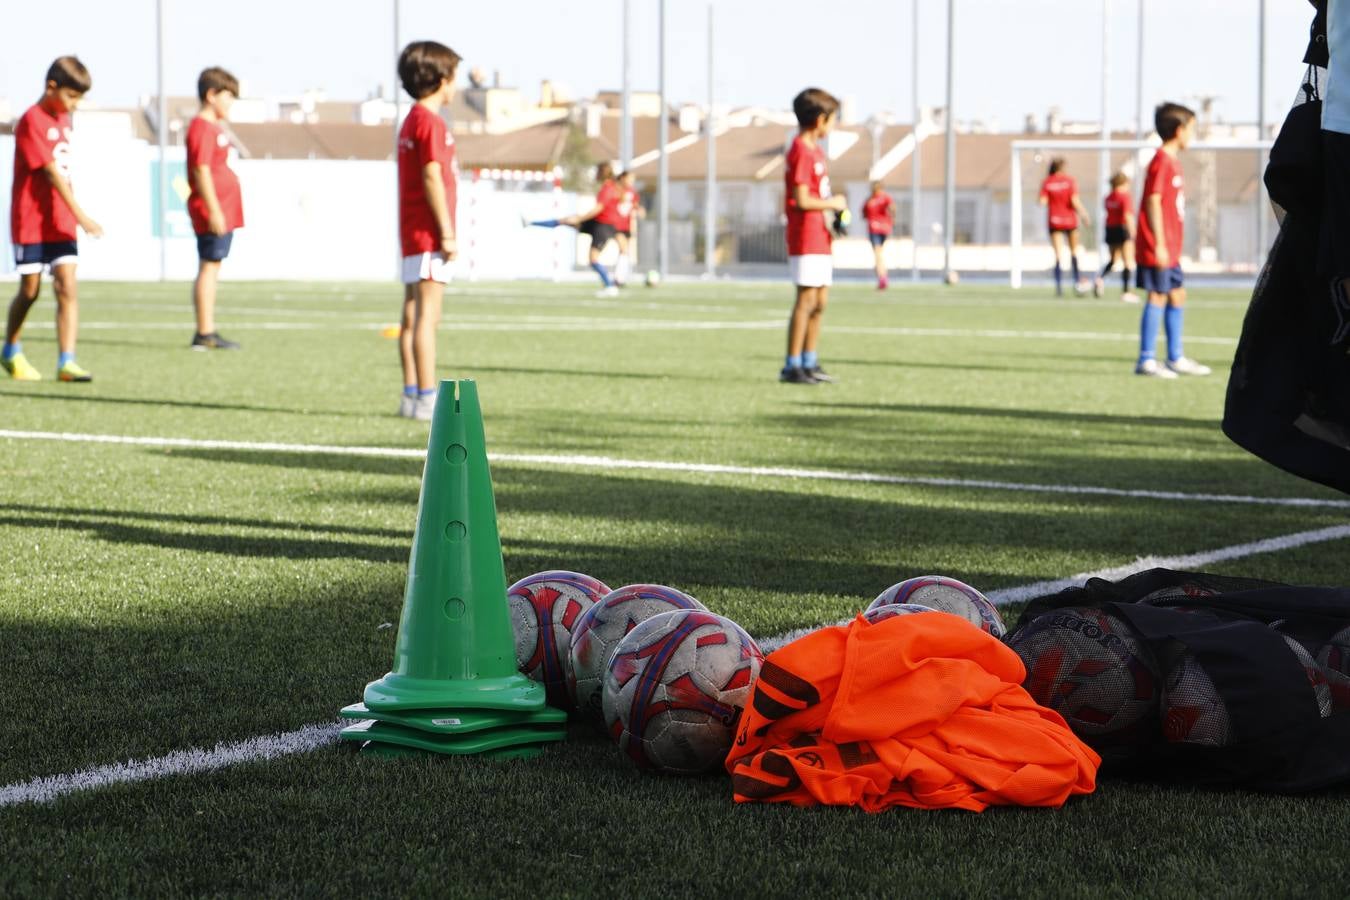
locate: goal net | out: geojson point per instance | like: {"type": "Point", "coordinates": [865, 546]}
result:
{"type": "Point", "coordinates": [1228, 225]}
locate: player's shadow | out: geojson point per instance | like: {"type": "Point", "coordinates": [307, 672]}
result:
{"type": "Point", "coordinates": [997, 412]}
{"type": "Point", "coordinates": [323, 462]}
{"type": "Point", "coordinates": [220, 535]}
{"type": "Point", "coordinates": [581, 373]}
{"type": "Point", "coordinates": [185, 404]}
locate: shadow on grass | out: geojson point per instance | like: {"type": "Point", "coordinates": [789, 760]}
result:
{"type": "Point", "coordinates": [159, 531]}
{"type": "Point", "coordinates": [185, 404]}
{"type": "Point", "coordinates": [579, 373]}
{"type": "Point", "coordinates": [1043, 415]}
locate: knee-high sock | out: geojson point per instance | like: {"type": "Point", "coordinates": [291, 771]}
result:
{"type": "Point", "coordinates": [1148, 331]}
{"type": "Point", "coordinates": [1172, 324]}
{"type": "Point", "coordinates": [1110, 264]}
{"type": "Point", "coordinates": [1059, 277]}
{"type": "Point", "coordinates": [1125, 279]}
{"type": "Point", "coordinates": [600, 270]}
{"type": "Point", "coordinates": [546, 223]}
{"type": "Point", "coordinates": [1075, 269]}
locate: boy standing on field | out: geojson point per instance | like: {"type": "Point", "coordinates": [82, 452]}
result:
{"type": "Point", "coordinates": [44, 217]}
{"type": "Point", "coordinates": [427, 175]}
{"type": "Point", "coordinates": [807, 197]}
{"type": "Point", "coordinates": [1162, 212]}
{"type": "Point", "coordinates": [214, 205]}
{"type": "Point", "coordinates": [879, 211]}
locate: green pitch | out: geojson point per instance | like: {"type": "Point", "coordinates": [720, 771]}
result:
{"type": "Point", "coordinates": [156, 599]}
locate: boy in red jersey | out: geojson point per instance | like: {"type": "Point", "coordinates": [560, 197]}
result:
{"type": "Point", "coordinates": [601, 223]}
{"type": "Point", "coordinates": [427, 176]}
{"type": "Point", "coordinates": [1119, 237]}
{"type": "Point", "coordinates": [214, 205]}
{"type": "Point", "coordinates": [1059, 195]}
{"type": "Point", "coordinates": [630, 207]}
{"type": "Point", "coordinates": [806, 199]}
{"type": "Point", "coordinates": [879, 211]}
{"type": "Point", "coordinates": [44, 217]}
{"type": "Point", "coordinates": [1161, 215]}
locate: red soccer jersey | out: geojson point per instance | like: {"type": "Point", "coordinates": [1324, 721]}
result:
{"type": "Point", "coordinates": [879, 211]}
{"type": "Point", "coordinates": [628, 207]}
{"type": "Point", "coordinates": [807, 233]}
{"type": "Point", "coordinates": [423, 139]}
{"type": "Point", "coordinates": [610, 199]}
{"type": "Point", "coordinates": [208, 145]}
{"type": "Point", "coordinates": [1117, 207]}
{"type": "Point", "coordinates": [37, 214]}
{"type": "Point", "coordinates": [1164, 180]}
{"type": "Point", "coordinates": [1058, 191]}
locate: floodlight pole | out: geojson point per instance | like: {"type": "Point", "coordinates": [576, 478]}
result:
{"type": "Point", "coordinates": [663, 162]}
{"type": "Point", "coordinates": [1104, 156]}
{"type": "Point", "coordinates": [949, 200]}
{"type": "Point", "coordinates": [626, 95]}
{"type": "Point", "coordinates": [1260, 131]}
{"type": "Point", "coordinates": [398, 113]}
{"type": "Point", "coordinates": [1139, 80]}
{"type": "Point", "coordinates": [162, 127]}
{"type": "Point", "coordinates": [710, 187]}
{"type": "Point", "coordinates": [914, 182]}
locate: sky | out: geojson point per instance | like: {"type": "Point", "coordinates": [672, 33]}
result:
{"type": "Point", "coordinates": [1013, 57]}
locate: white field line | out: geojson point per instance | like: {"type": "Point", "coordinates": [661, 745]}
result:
{"type": "Point", "coordinates": [616, 464]}
{"type": "Point", "coordinates": [311, 737]}
{"type": "Point", "coordinates": [179, 762]}
{"type": "Point", "coordinates": [629, 325]}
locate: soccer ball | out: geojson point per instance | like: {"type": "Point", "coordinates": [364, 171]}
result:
{"type": "Point", "coordinates": [1334, 661]}
{"type": "Point", "coordinates": [653, 278]}
{"type": "Point", "coordinates": [544, 609]}
{"type": "Point", "coordinates": [675, 687]}
{"type": "Point", "coordinates": [1192, 710]}
{"type": "Point", "coordinates": [891, 610]}
{"type": "Point", "coordinates": [599, 631]}
{"type": "Point", "coordinates": [946, 595]}
{"type": "Point", "coordinates": [1081, 288]}
{"type": "Point", "coordinates": [1086, 665]}
{"type": "Point", "coordinates": [1317, 680]}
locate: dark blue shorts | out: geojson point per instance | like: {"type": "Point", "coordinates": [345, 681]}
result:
{"type": "Point", "coordinates": [1160, 281]}
{"type": "Point", "coordinates": [31, 259]}
{"type": "Point", "coordinates": [877, 238]}
{"type": "Point", "coordinates": [214, 247]}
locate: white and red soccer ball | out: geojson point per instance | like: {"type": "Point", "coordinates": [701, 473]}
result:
{"type": "Point", "coordinates": [599, 631]}
{"type": "Point", "coordinates": [675, 687]}
{"type": "Point", "coordinates": [544, 608]}
{"type": "Point", "coordinates": [945, 595]}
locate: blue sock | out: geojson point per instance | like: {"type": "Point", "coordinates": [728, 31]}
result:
{"type": "Point", "coordinates": [426, 393]}
{"type": "Point", "coordinates": [793, 362]}
{"type": "Point", "coordinates": [1076, 276]}
{"type": "Point", "coordinates": [1172, 324]}
{"type": "Point", "coordinates": [1059, 278]}
{"type": "Point", "coordinates": [11, 350]}
{"type": "Point", "coordinates": [63, 359]}
{"type": "Point", "coordinates": [603, 273]}
{"type": "Point", "coordinates": [1125, 280]}
{"type": "Point", "coordinates": [546, 223]}
{"type": "Point", "coordinates": [809, 359]}
{"type": "Point", "coordinates": [1148, 331]}
{"type": "Point", "coordinates": [410, 390]}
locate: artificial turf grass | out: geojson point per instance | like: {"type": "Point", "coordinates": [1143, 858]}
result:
{"type": "Point", "coordinates": [177, 598]}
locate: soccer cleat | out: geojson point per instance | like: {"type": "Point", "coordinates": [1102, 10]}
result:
{"type": "Point", "coordinates": [1184, 365]}
{"type": "Point", "coordinates": [212, 341]}
{"type": "Point", "coordinates": [1129, 297]}
{"type": "Point", "coordinates": [20, 369]}
{"type": "Point", "coordinates": [821, 375]}
{"type": "Point", "coordinates": [883, 283]}
{"type": "Point", "coordinates": [72, 371]}
{"type": "Point", "coordinates": [1151, 368]}
{"type": "Point", "coordinates": [424, 407]}
{"type": "Point", "coordinates": [796, 375]}
{"type": "Point", "coordinates": [407, 406]}
{"type": "Point", "coordinates": [610, 291]}
{"type": "Point", "coordinates": [1098, 288]}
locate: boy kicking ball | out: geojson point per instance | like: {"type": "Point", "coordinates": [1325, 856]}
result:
{"type": "Point", "coordinates": [43, 220]}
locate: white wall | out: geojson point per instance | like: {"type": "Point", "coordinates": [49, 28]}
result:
{"type": "Point", "coordinates": [304, 219]}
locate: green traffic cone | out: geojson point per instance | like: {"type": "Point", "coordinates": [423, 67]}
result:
{"type": "Point", "coordinates": [455, 646]}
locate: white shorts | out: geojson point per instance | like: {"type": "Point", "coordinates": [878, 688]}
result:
{"type": "Point", "coordinates": [426, 267]}
{"type": "Point", "coordinates": [811, 270]}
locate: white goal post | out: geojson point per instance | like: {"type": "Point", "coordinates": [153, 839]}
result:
{"type": "Point", "coordinates": [1142, 151]}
